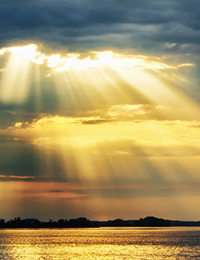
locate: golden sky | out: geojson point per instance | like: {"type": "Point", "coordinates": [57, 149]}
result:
{"type": "Point", "coordinates": [102, 134]}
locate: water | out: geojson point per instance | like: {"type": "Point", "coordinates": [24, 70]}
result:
{"type": "Point", "coordinates": [100, 243]}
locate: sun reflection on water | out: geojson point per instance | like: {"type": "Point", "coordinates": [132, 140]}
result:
{"type": "Point", "coordinates": [103, 243]}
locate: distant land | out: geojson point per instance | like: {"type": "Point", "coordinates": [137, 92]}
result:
{"type": "Point", "coordinates": [82, 222]}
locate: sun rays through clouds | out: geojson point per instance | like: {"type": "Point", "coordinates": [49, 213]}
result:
{"type": "Point", "coordinates": [117, 122]}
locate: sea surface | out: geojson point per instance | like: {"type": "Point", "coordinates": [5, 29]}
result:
{"type": "Point", "coordinates": [100, 243]}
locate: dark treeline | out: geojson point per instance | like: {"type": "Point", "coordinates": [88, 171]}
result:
{"type": "Point", "coordinates": [85, 223]}
{"type": "Point", "coordinates": [35, 223]}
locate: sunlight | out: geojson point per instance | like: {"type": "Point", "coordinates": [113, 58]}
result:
{"type": "Point", "coordinates": [132, 69]}
{"type": "Point", "coordinates": [27, 53]}
{"type": "Point", "coordinates": [117, 115]}
{"type": "Point", "coordinates": [107, 59]}
{"type": "Point", "coordinates": [15, 80]}
{"type": "Point", "coordinates": [17, 73]}
{"type": "Point", "coordinates": [149, 149]}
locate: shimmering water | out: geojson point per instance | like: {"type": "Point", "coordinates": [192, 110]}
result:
{"type": "Point", "coordinates": [100, 243]}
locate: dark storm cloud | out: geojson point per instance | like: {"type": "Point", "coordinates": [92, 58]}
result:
{"type": "Point", "coordinates": [140, 23]}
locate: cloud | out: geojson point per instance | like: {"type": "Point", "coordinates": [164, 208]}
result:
{"type": "Point", "coordinates": [67, 23]}
{"type": "Point", "coordinates": [96, 121]}
{"type": "Point", "coordinates": [105, 98]}
{"type": "Point", "coordinates": [17, 158]}
{"type": "Point", "coordinates": [93, 59]}
{"type": "Point", "coordinates": [16, 177]}
{"type": "Point", "coordinates": [126, 110]}
{"type": "Point", "coordinates": [79, 86]}
{"type": "Point", "coordinates": [67, 194]}
{"type": "Point", "coordinates": [140, 137]}
{"type": "Point", "coordinates": [122, 192]}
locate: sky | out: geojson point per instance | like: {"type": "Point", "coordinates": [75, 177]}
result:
{"type": "Point", "coordinates": [99, 109]}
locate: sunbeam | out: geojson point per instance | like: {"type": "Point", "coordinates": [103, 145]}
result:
{"type": "Point", "coordinates": [105, 120]}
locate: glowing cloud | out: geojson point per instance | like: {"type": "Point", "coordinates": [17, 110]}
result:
{"type": "Point", "coordinates": [28, 52]}
{"type": "Point", "coordinates": [94, 59]}
{"type": "Point", "coordinates": [131, 68]}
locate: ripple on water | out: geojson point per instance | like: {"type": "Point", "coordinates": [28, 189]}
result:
{"type": "Point", "coordinates": [103, 243]}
